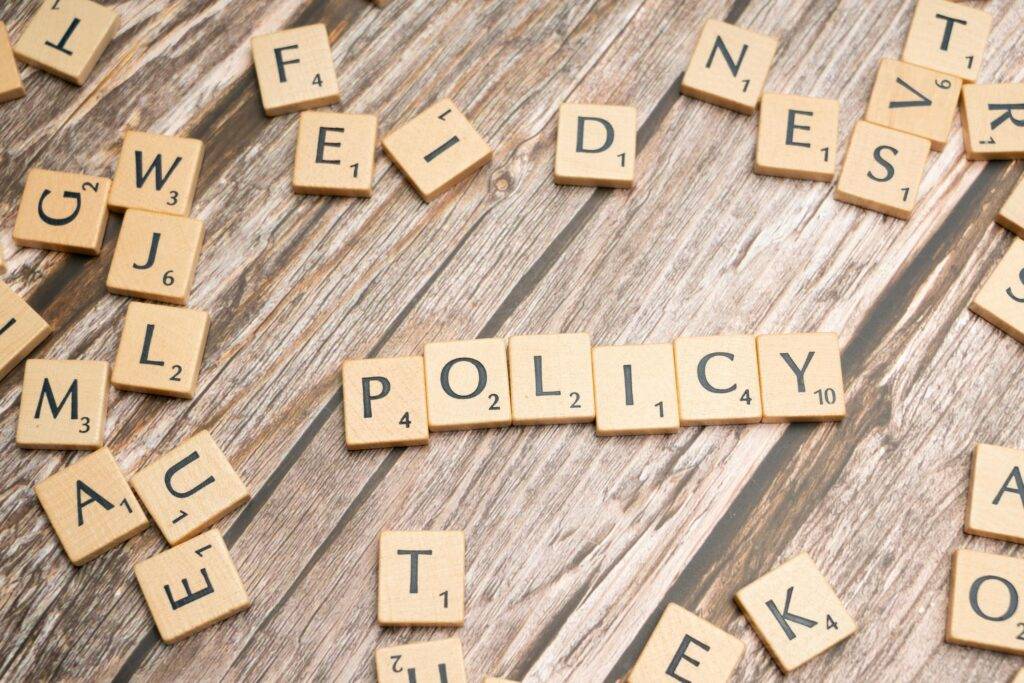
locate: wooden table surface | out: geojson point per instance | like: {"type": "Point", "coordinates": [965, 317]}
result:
{"type": "Point", "coordinates": [575, 543]}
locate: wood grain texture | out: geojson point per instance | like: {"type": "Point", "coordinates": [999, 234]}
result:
{"type": "Point", "coordinates": [574, 544]}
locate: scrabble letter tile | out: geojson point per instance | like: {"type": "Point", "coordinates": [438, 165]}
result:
{"type": "Point", "coordinates": [1011, 216]}
{"type": "Point", "coordinates": [437, 149]}
{"type": "Point", "coordinates": [596, 145]}
{"type": "Point", "coordinates": [62, 211]}
{"type": "Point", "coordinates": [948, 37]}
{"type": "Point", "coordinates": [797, 137]}
{"type": "Point", "coordinates": [717, 379]}
{"type": "Point", "coordinates": [385, 402]}
{"type": "Point", "coordinates": [467, 384]}
{"type": "Point", "coordinates": [190, 488]}
{"type": "Point", "coordinates": [421, 578]}
{"type": "Point", "coordinates": [552, 379]}
{"type": "Point", "coordinates": [295, 69]}
{"type": "Point", "coordinates": [437, 660]}
{"type": "Point", "coordinates": [66, 38]}
{"type": "Point", "coordinates": [995, 500]}
{"type": "Point", "coordinates": [161, 350]}
{"type": "Point", "coordinates": [993, 120]}
{"type": "Point", "coordinates": [883, 170]}
{"type": "Point", "coordinates": [21, 329]}
{"type": "Point", "coordinates": [11, 87]}
{"type": "Point", "coordinates": [63, 404]}
{"type": "Point", "coordinates": [191, 586]}
{"type": "Point", "coordinates": [1001, 299]}
{"type": "Point", "coordinates": [729, 66]}
{"type": "Point", "coordinates": [915, 100]}
{"type": "Point", "coordinates": [985, 601]}
{"type": "Point", "coordinates": [635, 389]}
{"type": "Point", "coordinates": [684, 647]}
{"type": "Point", "coordinates": [90, 507]}
{"type": "Point", "coordinates": [155, 257]}
{"type": "Point", "coordinates": [156, 173]}
{"type": "Point", "coordinates": [795, 612]}
{"type": "Point", "coordinates": [334, 154]}
{"type": "Point", "coordinates": [801, 377]}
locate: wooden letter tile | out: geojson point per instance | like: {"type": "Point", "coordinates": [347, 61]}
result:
{"type": "Point", "coordinates": [717, 379]}
{"type": "Point", "coordinates": [635, 389]}
{"type": "Point", "coordinates": [729, 66]}
{"type": "Point", "coordinates": [948, 37]}
{"type": "Point", "coordinates": [63, 404]}
{"type": "Point", "coordinates": [295, 69]}
{"type": "Point", "coordinates": [1011, 216]}
{"type": "Point", "coordinates": [883, 170]}
{"type": "Point", "coordinates": [596, 145]}
{"type": "Point", "coordinates": [190, 488]}
{"type": "Point", "coordinates": [62, 211]}
{"type": "Point", "coordinates": [552, 379]}
{"type": "Point", "coordinates": [797, 137]}
{"type": "Point", "coordinates": [684, 647]}
{"type": "Point", "coordinates": [90, 507]}
{"type": "Point", "coordinates": [11, 87]}
{"type": "Point", "coordinates": [1001, 299]}
{"type": "Point", "coordinates": [21, 329]}
{"type": "Point", "coordinates": [467, 384]}
{"type": "Point", "coordinates": [801, 377]}
{"type": "Point", "coordinates": [985, 601]}
{"type": "Point", "coordinates": [66, 38]}
{"type": "Point", "coordinates": [993, 120]}
{"type": "Point", "coordinates": [385, 402]}
{"type": "Point", "coordinates": [436, 660]}
{"type": "Point", "coordinates": [795, 612]}
{"type": "Point", "coordinates": [191, 586]}
{"type": "Point", "coordinates": [155, 257]}
{"type": "Point", "coordinates": [156, 173]}
{"type": "Point", "coordinates": [915, 100]}
{"type": "Point", "coordinates": [437, 149]}
{"type": "Point", "coordinates": [995, 499]}
{"type": "Point", "coordinates": [421, 578]}
{"type": "Point", "coordinates": [334, 154]}
{"type": "Point", "coordinates": [161, 350]}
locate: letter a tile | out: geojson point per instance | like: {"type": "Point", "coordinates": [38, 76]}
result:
{"type": "Point", "coordinates": [11, 87]}
{"type": "Point", "coordinates": [729, 66]}
{"type": "Point", "coordinates": [948, 37]}
{"type": "Point", "coordinates": [437, 660]}
{"type": "Point", "coordinates": [66, 38]}
{"type": "Point", "coordinates": [596, 145]}
{"type": "Point", "coordinates": [90, 506]}
{"type": "Point", "coordinates": [421, 578]}
{"type": "Point", "coordinates": [985, 607]}
{"type": "Point", "coordinates": [161, 350]}
{"type": "Point", "coordinates": [635, 390]}
{"type": "Point", "coordinates": [1011, 216]}
{"type": "Point", "coordinates": [684, 647]}
{"type": "Point", "coordinates": [993, 118]}
{"type": "Point", "coordinates": [190, 488]}
{"type": "Point", "coordinates": [385, 402]}
{"type": "Point", "coordinates": [191, 586]}
{"type": "Point", "coordinates": [21, 329]}
{"type": "Point", "coordinates": [797, 137]}
{"type": "Point", "coordinates": [795, 612]}
{"type": "Point", "coordinates": [437, 149]}
{"type": "Point", "coordinates": [1000, 300]}
{"type": "Point", "coordinates": [995, 499]}
{"type": "Point", "coordinates": [467, 384]}
{"type": "Point", "coordinates": [63, 404]}
{"type": "Point", "coordinates": [883, 170]}
{"type": "Point", "coordinates": [156, 173]}
{"type": "Point", "coordinates": [62, 211]}
{"type": "Point", "coordinates": [801, 377]}
{"type": "Point", "coordinates": [295, 69]}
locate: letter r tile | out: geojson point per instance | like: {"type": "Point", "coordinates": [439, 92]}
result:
{"type": "Point", "coordinates": [795, 612]}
